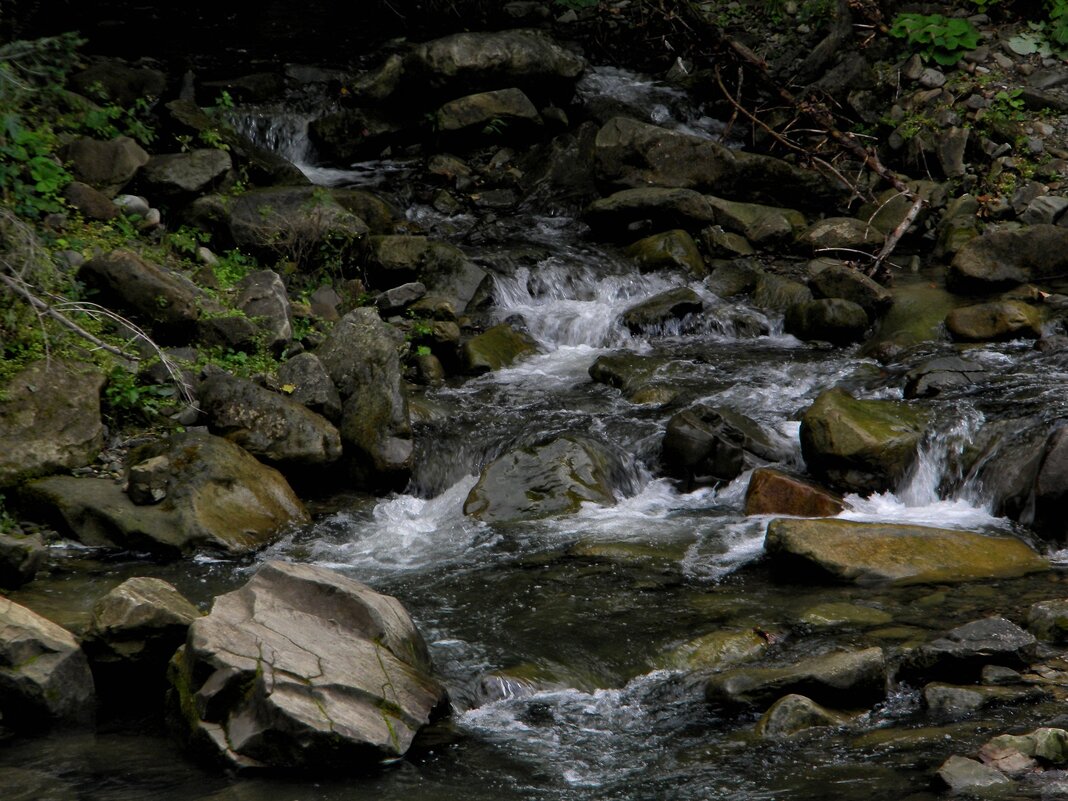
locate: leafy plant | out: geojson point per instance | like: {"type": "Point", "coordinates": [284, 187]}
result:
{"type": "Point", "coordinates": [127, 400]}
{"type": "Point", "coordinates": [232, 266]}
{"type": "Point", "coordinates": [942, 39]}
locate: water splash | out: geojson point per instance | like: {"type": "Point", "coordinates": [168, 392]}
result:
{"type": "Point", "coordinates": [940, 449]}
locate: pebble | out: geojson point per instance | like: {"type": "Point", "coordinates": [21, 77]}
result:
{"type": "Point", "coordinates": [931, 78]}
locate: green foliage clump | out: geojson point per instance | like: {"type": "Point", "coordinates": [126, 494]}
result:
{"type": "Point", "coordinates": [126, 400]}
{"type": "Point", "coordinates": [942, 39]}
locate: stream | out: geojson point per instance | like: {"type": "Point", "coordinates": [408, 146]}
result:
{"type": "Point", "coordinates": [560, 639]}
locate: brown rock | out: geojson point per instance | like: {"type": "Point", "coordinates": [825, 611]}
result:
{"type": "Point", "coordinates": [773, 492]}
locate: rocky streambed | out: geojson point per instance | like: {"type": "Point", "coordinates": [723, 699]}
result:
{"type": "Point", "coordinates": [587, 469]}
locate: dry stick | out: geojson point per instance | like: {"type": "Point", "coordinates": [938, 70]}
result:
{"type": "Point", "coordinates": [877, 269]}
{"type": "Point", "coordinates": [814, 111]}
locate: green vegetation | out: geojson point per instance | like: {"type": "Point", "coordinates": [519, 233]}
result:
{"type": "Point", "coordinates": [935, 37]}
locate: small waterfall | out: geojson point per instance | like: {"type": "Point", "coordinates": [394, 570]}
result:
{"type": "Point", "coordinates": [282, 131]}
{"type": "Point", "coordinates": [564, 305]}
{"type": "Point", "coordinates": [939, 450]}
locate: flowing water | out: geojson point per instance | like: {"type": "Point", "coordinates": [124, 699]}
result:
{"type": "Point", "coordinates": [559, 639]}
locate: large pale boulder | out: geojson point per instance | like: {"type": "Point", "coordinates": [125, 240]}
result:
{"type": "Point", "coordinates": [44, 675]}
{"type": "Point", "coordinates": [998, 260]}
{"type": "Point", "coordinates": [361, 355]}
{"type": "Point", "coordinates": [545, 480]}
{"type": "Point", "coordinates": [860, 445]}
{"type": "Point", "coordinates": [191, 492]}
{"type": "Point", "coordinates": [268, 425]}
{"type": "Point", "coordinates": [303, 668]}
{"type": "Point", "coordinates": [506, 113]}
{"type": "Point", "coordinates": [886, 553]}
{"type": "Point", "coordinates": [49, 420]}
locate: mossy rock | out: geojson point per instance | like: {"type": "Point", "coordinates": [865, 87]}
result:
{"type": "Point", "coordinates": [671, 250]}
{"type": "Point", "coordinates": [500, 346]}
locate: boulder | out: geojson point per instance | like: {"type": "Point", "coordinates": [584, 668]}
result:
{"type": "Point", "coordinates": [166, 300]}
{"type": "Point", "coordinates": [119, 82]}
{"type": "Point", "coordinates": [773, 492]}
{"type": "Point", "coordinates": [1046, 743]}
{"type": "Point", "coordinates": [379, 215]}
{"type": "Point", "coordinates": [710, 445]}
{"type": "Point", "coordinates": [134, 632]}
{"type": "Point", "coordinates": [107, 166]}
{"type": "Point", "coordinates": [962, 653]}
{"type": "Point", "coordinates": [829, 278]}
{"type": "Point", "coordinates": [841, 233]}
{"type": "Point", "coordinates": [626, 370]}
{"type": "Point", "coordinates": [671, 250]}
{"type": "Point", "coordinates": [442, 268]}
{"type": "Point", "coordinates": [302, 224]}
{"type": "Point", "coordinates": [49, 420]}
{"type": "Point", "coordinates": [661, 310]}
{"type": "Point", "coordinates": [734, 278]}
{"type": "Point", "coordinates": [860, 445]}
{"type": "Point", "coordinates": [44, 676]}
{"type": "Point", "coordinates": [834, 320]}
{"type": "Point", "coordinates": [545, 480]}
{"type": "Point", "coordinates": [841, 678]}
{"type": "Point", "coordinates": [307, 382]}
{"type": "Point", "coordinates": [194, 491]}
{"type": "Point", "coordinates": [943, 374]}
{"type": "Point", "coordinates": [953, 702]}
{"type": "Point", "coordinates": [177, 177]}
{"type": "Point", "coordinates": [466, 62]}
{"type": "Point", "coordinates": [795, 713]}
{"type": "Point", "coordinates": [268, 425]}
{"type": "Point", "coordinates": [718, 650]}
{"type": "Point", "coordinates": [763, 226]}
{"type": "Point", "coordinates": [495, 348]}
{"type": "Point", "coordinates": [1000, 259]}
{"type": "Point", "coordinates": [91, 203]}
{"type": "Point", "coordinates": [778, 293]}
{"type": "Point", "coordinates": [1048, 620]}
{"type": "Point", "coordinates": [628, 153]}
{"type": "Point", "coordinates": [361, 355]}
{"type": "Point", "coordinates": [1004, 458]}
{"type": "Point", "coordinates": [357, 134]}
{"type": "Point", "coordinates": [1051, 487]}
{"type": "Point", "coordinates": [995, 322]}
{"type": "Point", "coordinates": [504, 113]}
{"type": "Point", "coordinates": [887, 553]}
{"type": "Point", "coordinates": [262, 296]}
{"type": "Point", "coordinates": [918, 315]}
{"type": "Point", "coordinates": [656, 208]}
{"type": "Point", "coordinates": [303, 669]}
{"type": "Point", "coordinates": [967, 777]}
{"type": "Point", "coordinates": [397, 299]}
{"type": "Point", "coordinates": [21, 556]}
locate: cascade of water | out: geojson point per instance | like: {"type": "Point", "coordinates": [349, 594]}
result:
{"type": "Point", "coordinates": [282, 131]}
{"type": "Point", "coordinates": [921, 485]}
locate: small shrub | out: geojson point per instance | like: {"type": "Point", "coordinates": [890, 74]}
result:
{"type": "Point", "coordinates": [942, 39]}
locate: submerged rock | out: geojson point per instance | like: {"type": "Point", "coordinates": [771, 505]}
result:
{"type": "Point", "coordinates": [545, 480]}
{"type": "Point", "coordinates": [843, 677]}
{"type": "Point", "coordinates": [887, 553]}
{"type": "Point", "coordinates": [303, 668]}
{"type": "Point", "coordinates": [795, 713]}
{"type": "Point", "coordinates": [44, 676]}
{"type": "Point", "coordinates": [860, 445]}
{"type": "Point", "coordinates": [718, 650]}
